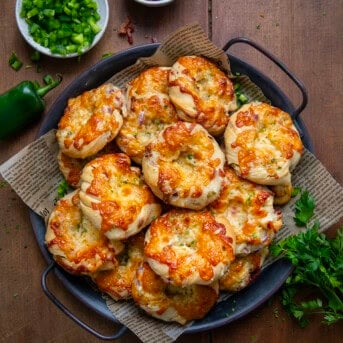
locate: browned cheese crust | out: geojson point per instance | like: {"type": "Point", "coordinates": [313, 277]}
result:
{"type": "Point", "coordinates": [115, 197]}
{"type": "Point", "coordinates": [149, 111]}
{"type": "Point", "coordinates": [169, 303]}
{"type": "Point", "coordinates": [71, 167]}
{"type": "Point", "coordinates": [188, 247]}
{"type": "Point", "coordinates": [184, 166]}
{"type": "Point", "coordinates": [90, 121]}
{"type": "Point", "coordinates": [202, 93]}
{"type": "Point", "coordinates": [75, 244]}
{"type": "Point", "coordinates": [243, 271]}
{"type": "Point", "coordinates": [262, 144]}
{"type": "Point", "coordinates": [249, 209]}
{"type": "Point", "coordinates": [118, 282]}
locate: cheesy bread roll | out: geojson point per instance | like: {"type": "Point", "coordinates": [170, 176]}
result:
{"type": "Point", "coordinates": [117, 282]}
{"type": "Point", "coordinates": [249, 209]}
{"type": "Point", "coordinates": [184, 166]}
{"type": "Point", "coordinates": [170, 303]}
{"type": "Point", "coordinates": [242, 271]}
{"type": "Point", "coordinates": [189, 247]}
{"type": "Point", "coordinates": [149, 111]}
{"type": "Point", "coordinates": [202, 93]}
{"type": "Point", "coordinates": [76, 245]}
{"type": "Point", "coordinates": [90, 121]}
{"type": "Point", "coordinates": [115, 198]}
{"type": "Point", "coordinates": [71, 167]}
{"type": "Point", "coordinates": [262, 144]}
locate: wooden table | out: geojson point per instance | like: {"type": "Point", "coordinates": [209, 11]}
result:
{"type": "Point", "coordinates": [305, 35]}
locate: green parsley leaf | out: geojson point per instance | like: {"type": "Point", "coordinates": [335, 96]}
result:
{"type": "Point", "coordinates": [295, 191]}
{"type": "Point", "coordinates": [304, 209]}
{"type": "Point", "coordinates": [318, 263]}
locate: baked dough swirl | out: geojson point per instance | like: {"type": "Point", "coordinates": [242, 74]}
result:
{"type": "Point", "coordinates": [202, 93]}
{"type": "Point", "coordinates": [76, 245]}
{"type": "Point", "coordinates": [117, 282]}
{"type": "Point", "coordinates": [72, 167]}
{"type": "Point", "coordinates": [90, 121]}
{"type": "Point", "coordinates": [249, 209]}
{"type": "Point", "coordinates": [243, 271]}
{"type": "Point", "coordinates": [189, 247]}
{"type": "Point", "coordinates": [262, 144]}
{"type": "Point", "coordinates": [115, 198]}
{"type": "Point", "coordinates": [184, 166]}
{"type": "Point", "coordinates": [170, 303]}
{"type": "Point", "coordinates": [149, 111]}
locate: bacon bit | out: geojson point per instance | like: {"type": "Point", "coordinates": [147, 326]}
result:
{"type": "Point", "coordinates": [127, 29]}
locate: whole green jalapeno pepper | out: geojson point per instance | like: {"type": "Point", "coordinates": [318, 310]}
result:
{"type": "Point", "coordinates": [21, 105]}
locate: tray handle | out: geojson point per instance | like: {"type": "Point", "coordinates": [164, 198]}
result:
{"type": "Point", "coordinates": [274, 59]}
{"type": "Point", "coordinates": [52, 297]}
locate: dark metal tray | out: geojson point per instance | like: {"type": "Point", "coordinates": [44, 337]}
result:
{"type": "Point", "coordinates": [268, 282]}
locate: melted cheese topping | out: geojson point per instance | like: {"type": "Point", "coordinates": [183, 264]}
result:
{"type": "Point", "coordinates": [243, 271]}
{"type": "Point", "coordinates": [262, 144]}
{"type": "Point", "coordinates": [115, 198]}
{"type": "Point", "coordinates": [118, 282]}
{"type": "Point", "coordinates": [249, 209]}
{"type": "Point", "coordinates": [90, 121]}
{"type": "Point", "coordinates": [71, 167]}
{"type": "Point", "coordinates": [188, 247]}
{"type": "Point", "coordinates": [75, 243]}
{"type": "Point", "coordinates": [149, 111]}
{"type": "Point", "coordinates": [184, 166]}
{"type": "Point", "coordinates": [202, 93]}
{"type": "Point", "coordinates": [169, 303]}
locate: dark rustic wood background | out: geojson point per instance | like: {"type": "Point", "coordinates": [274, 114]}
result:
{"type": "Point", "coordinates": [305, 35]}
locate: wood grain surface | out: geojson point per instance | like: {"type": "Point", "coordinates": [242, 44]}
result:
{"type": "Point", "coordinates": [305, 35]}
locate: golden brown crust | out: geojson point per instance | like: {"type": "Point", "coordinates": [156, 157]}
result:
{"type": "Point", "coordinates": [115, 197]}
{"type": "Point", "coordinates": [202, 93]}
{"type": "Point", "coordinates": [249, 209]}
{"type": "Point", "coordinates": [262, 144]}
{"type": "Point", "coordinates": [75, 244]}
{"type": "Point", "coordinates": [187, 247]}
{"type": "Point", "coordinates": [90, 121]}
{"type": "Point", "coordinates": [149, 111]}
{"type": "Point", "coordinates": [169, 303]}
{"type": "Point", "coordinates": [71, 167]}
{"type": "Point", "coordinates": [183, 167]}
{"type": "Point", "coordinates": [118, 282]}
{"type": "Point", "coordinates": [243, 271]}
{"type": "Point", "coordinates": [282, 194]}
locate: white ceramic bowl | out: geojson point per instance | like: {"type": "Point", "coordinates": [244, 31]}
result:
{"type": "Point", "coordinates": [103, 11]}
{"type": "Point", "coordinates": [154, 3]}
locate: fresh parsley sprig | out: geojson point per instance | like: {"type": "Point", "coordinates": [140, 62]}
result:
{"type": "Point", "coordinates": [318, 263]}
{"type": "Point", "coordinates": [304, 209]}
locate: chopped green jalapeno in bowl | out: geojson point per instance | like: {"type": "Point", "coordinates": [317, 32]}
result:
{"type": "Point", "coordinates": [62, 28]}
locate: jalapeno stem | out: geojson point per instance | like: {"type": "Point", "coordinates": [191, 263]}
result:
{"type": "Point", "coordinates": [42, 91]}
